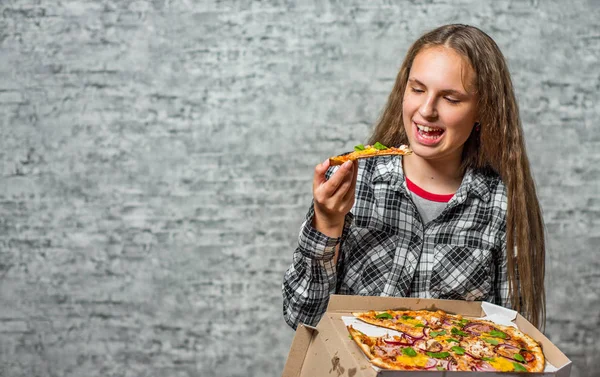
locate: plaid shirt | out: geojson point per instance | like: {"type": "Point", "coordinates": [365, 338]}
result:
{"type": "Point", "coordinates": [386, 250]}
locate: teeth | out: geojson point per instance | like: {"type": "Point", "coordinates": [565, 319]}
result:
{"type": "Point", "coordinates": [427, 129]}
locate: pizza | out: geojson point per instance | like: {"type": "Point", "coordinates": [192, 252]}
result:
{"type": "Point", "coordinates": [436, 340]}
{"type": "Point", "coordinates": [366, 151]}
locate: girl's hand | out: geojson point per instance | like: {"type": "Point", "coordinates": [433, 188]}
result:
{"type": "Point", "coordinates": [333, 198]}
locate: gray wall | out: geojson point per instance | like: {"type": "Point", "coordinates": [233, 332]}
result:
{"type": "Point", "coordinates": [148, 204]}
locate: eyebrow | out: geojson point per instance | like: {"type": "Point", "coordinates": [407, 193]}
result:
{"type": "Point", "coordinates": [445, 91]}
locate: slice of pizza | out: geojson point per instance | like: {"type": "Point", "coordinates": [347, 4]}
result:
{"type": "Point", "coordinates": [366, 151]}
{"type": "Point", "coordinates": [392, 352]}
{"type": "Point", "coordinates": [415, 324]}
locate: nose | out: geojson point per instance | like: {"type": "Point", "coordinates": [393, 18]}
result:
{"type": "Point", "coordinates": [427, 108]}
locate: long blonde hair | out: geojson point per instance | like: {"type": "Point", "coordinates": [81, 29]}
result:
{"type": "Point", "coordinates": [499, 145]}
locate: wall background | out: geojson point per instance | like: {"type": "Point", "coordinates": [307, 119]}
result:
{"type": "Point", "coordinates": [148, 205]}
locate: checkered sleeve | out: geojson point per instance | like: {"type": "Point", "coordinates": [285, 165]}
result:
{"type": "Point", "coordinates": [311, 278]}
{"type": "Point", "coordinates": [501, 289]}
{"type": "Point", "coordinates": [501, 286]}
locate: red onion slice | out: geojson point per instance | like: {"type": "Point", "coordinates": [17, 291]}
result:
{"type": "Point", "coordinates": [483, 367]}
{"type": "Point", "coordinates": [452, 365]}
{"type": "Point", "coordinates": [402, 340]}
{"type": "Point", "coordinates": [507, 350]}
{"type": "Point", "coordinates": [415, 337]}
{"type": "Point", "coordinates": [434, 346]}
{"type": "Point", "coordinates": [431, 363]}
{"type": "Point", "coordinates": [478, 328]}
{"type": "Point", "coordinates": [420, 344]}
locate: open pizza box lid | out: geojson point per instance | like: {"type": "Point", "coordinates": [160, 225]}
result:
{"type": "Point", "coordinates": [327, 350]}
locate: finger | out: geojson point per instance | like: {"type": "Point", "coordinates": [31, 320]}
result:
{"type": "Point", "coordinates": [319, 176]}
{"type": "Point", "coordinates": [342, 174]}
{"type": "Point", "coordinates": [352, 188]}
{"type": "Point", "coordinates": [343, 190]}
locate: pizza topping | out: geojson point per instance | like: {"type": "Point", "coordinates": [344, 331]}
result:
{"type": "Point", "coordinates": [478, 328]}
{"type": "Point", "coordinates": [445, 364]}
{"type": "Point", "coordinates": [511, 352]}
{"type": "Point", "coordinates": [419, 360]}
{"type": "Point", "coordinates": [379, 146]}
{"type": "Point", "coordinates": [476, 348]}
{"type": "Point", "coordinates": [408, 351]}
{"type": "Point", "coordinates": [384, 315]}
{"type": "Point", "coordinates": [498, 334]}
{"type": "Point", "coordinates": [433, 334]}
{"type": "Point", "coordinates": [438, 355]}
{"type": "Point", "coordinates": [456, 331]}
{"type": "Point", "coordinates": [504, 365]}
{"type": "Point", "coordinates": [402, 340]}
{"type": "Point", "coordinates": [458, 350]}
{"type": "Point", "coordinates": [483, 366]}
{"type": "Point", "coordinates": [518, 357]}
{"type": "Point", "coordinates": [519, 368]}
{"type": "Point", "coordinates": [382, 351]}
{"type": "Point", "coordinates": [490, 341]}
{"type": "Point", "coordinates": [359, 147]}
{"type": "Point", "coordinates": [528, 356]}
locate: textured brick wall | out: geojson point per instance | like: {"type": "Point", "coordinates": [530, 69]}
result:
{"type": "Point", "coordinates": [147, 213]}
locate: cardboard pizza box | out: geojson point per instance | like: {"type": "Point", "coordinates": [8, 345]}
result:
{"type": "Point", "coordinates": [327, 350]}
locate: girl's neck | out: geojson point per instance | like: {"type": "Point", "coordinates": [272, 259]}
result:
{"type": "Point", "coordinates": [435, 176]}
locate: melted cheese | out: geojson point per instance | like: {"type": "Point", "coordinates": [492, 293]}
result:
{"type": "Point", "coordinates": [412, 321]}
{"type": "Point", "coordinates": [445, 339]}
{"type": "Point", "coordinates": [502, 364]}
{"type": "Point", "coordinates": [366, 151]}
{"type": "Point", "coordinates": [414, 361]}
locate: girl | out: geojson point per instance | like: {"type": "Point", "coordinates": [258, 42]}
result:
{"type": "Point", "coordinates": [457, 219]}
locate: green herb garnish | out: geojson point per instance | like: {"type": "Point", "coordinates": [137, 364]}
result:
{"type": "Point", "coordinates": [438, 355]}
{"type": "Point", "coordinates": [490, 341]}
{"type": "Point", "coordinates": [456, 331]}
{"type": "Point", "coordinates": [433, 334]}
{"type": "Point", "coordinates": [384, 315]}
{"type": "Point", "coordinates": [407, 317]}
{"type": "Point", "coordinates": [359, 147]}
{"type": "Point", "coordinates": [419, 325]}
{"type": "Point", "coordinates": [379, 146]}
{"type": "Point", "coordinates": [408, 351]}
{"type": "Point", "coordinates": [487, 359]}
{"type": "Point", "coordinates": [350, 336]}
{"type": "Point", "coordinates": [458, 350]}
{"type": "Point", "coordinates": [520, 358]}
{"type": "Point", "coordinates": [439, 368]}
{"type": "Point", "coordinates": [453, 340]}
{"type": "Point", "coordinates": [519, 368]}
{"type": "Point", "coordinates": [497, 334]}
{"type": "Point", "coordinates": [463, 322]}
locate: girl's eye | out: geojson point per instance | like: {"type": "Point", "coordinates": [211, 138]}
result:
{"type": "Point", "coordinates": [417, 90]}
{"type": "Point", "coordinates": [451, 100]}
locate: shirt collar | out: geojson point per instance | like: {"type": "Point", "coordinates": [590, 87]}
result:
{"type": "Point", "coordinates": [388, 169]}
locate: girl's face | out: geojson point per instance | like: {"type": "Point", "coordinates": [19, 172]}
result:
{"type": "Point", "coordinates": [439, 112]}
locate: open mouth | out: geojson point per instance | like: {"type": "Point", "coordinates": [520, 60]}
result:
{"type": "Point", "coordinates": [429, 133]}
